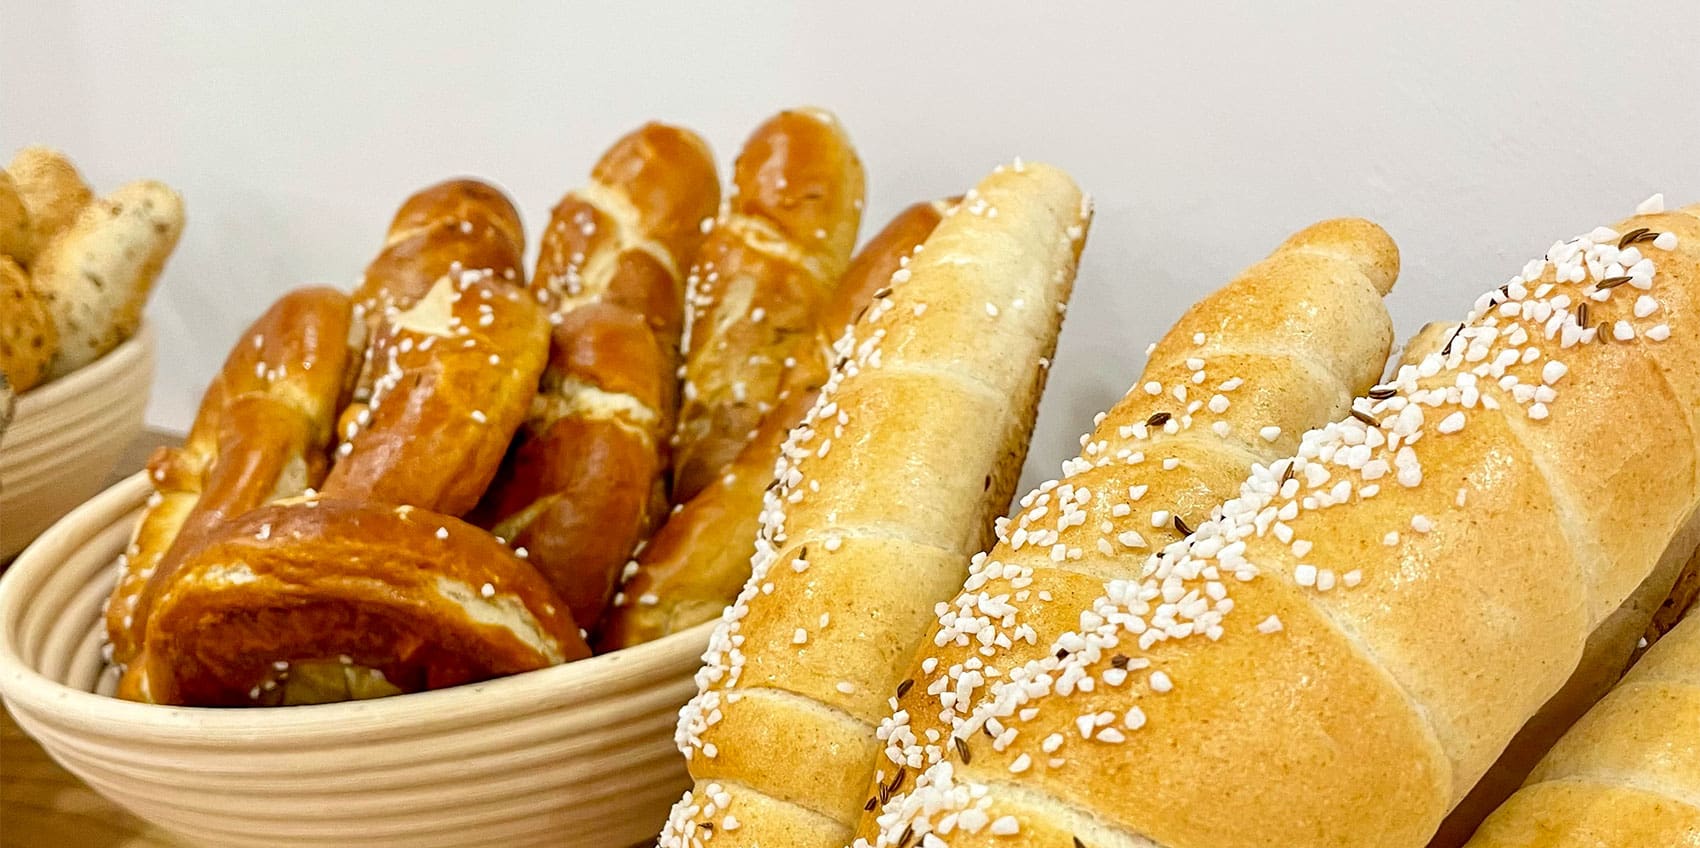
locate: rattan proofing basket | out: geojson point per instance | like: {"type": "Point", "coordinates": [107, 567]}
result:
{"type": "Point", "coordinates": [579, 754]}
{"type": "Point", "coordinates": [66, 436]}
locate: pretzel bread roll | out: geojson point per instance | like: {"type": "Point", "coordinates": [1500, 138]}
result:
{"type": "Point", "coordinates": [1372, 631]}
{"type": "Point", "coordinates": [260, 434]}
{"type": "Point", "coordinates": [404, 598]}
{"type": "Point", "coordinates": [1283, 347]}
{"type": "Point", "coordinates": [453, 226]}
{"type": "Point", "coordinates": [1628, 773]}
{"type": "Point", "coordinates": [696, 563]}
{"type": "Point", "coordinates": [628, 235]}
{"type": "Point", "coordinates": [762, 274]}
{"type": "Point", "coordinates": [52, 193]}
{"type": "Point", "coordinates": [577, 491]}
{"type": "Point", "coordinates": [585, 481]}
{"type": "Point", "coordinates": [889, 484]}
{"type": "Point", "coordinates": [456, 374]}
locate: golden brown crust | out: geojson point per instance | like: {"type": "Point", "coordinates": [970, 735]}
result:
{"type": "Point", "coordinates": [585, 480]}
{"type": "Point", "coordinates": [1431, 569]}
{"type": "Point", "coordinates": [456, 374]}
{"type": "Point", "coordinates": [260, 434]}
{"type": "Point", "coordinates": [1284, 347]}
{"type": "Point", "coordinates": [16, 237]}
{"type": "Point", "coordinates": [695, 564]}
{"type": "Point", "coordinates": [886, 488]}
{"type": "Point", "coordinates": [762, 274]}
{"type": "Point", "coordinates": [423, 598]}
{"type": "Point", "coordinates": [28, 337]}
{"type": "Point", "coordinates": [1627, 774]}
{"type": "Point", "coordinates": [53, 193]}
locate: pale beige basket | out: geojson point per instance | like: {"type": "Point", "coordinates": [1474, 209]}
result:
{"type": "Point", "coordinates": [67, 435]}
{"type": "Point", "coordinates": [577, 755]}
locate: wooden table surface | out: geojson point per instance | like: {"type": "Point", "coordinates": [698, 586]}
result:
{"type": "Point", "coordinates": [41, 804]}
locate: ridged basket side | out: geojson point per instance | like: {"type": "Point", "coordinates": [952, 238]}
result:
{"type": "Point", "coordinates": [580, 754]}
{"type": "Point", "coordinates": [66, 436]}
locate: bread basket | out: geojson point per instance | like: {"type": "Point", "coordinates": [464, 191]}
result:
{"type": "Point", "coordinates": [579, 754]}
{"type": "Point", "coordinates": [66, 436]}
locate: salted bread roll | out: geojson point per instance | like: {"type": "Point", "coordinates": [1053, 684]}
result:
{"type": "Point", "coordinates": [1338, 655]}
{"type": "Point", "coordinates": [883, 492]}
{"type": "Point", "coordinates": [1628, 773]}
{"type": "Point", "coordinates": [1282, 348]}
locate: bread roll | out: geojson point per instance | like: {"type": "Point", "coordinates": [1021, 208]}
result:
{"type": "Point", "coordinates": [28, 336]}
{"type": "Point", "coordinates": [883, 492]}
{"type": "Point", "coordinates": [16, 237]}
{"type": "Point", "coordinates": [53, 194]}
{"type": "Point", "coordinates": [771, 260]}
{"type": "Point", "coordinates": [97, 273]}
{"type": "Point", "coordinates": [1628, 773]}
{"type": "Point", "coordinates": [1371, 633]}
{"type": "Point", "coordinates": [695, 564]}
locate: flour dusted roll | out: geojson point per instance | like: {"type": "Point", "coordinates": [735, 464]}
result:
{"type": "Point", "coordinates": [694, 565]}
{"type": "Point", "coordinates": [770, 262]}
{"type": "Point", "coordinates": [1283, 347]}
{"type": "Point", "coordinates": [1338, 655]}
{"type": "Point", "coordinates": [883, 492]}
{"type": "Point", "coordinates": [1628, 773]}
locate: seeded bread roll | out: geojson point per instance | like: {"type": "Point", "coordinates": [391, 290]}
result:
{"type": "Point", "coordinates": [696, 563]}
{"type": "Point", "coordinates": [28, 336]}
{"type": "Point", "coordinates": [260, 434]}
{"type": "Point", "coordinates": [1369, 633]}
{"type": "Point", "coordinates": [96, 275]}
{"type": "Point", "coordinates": [584, 482]}
{"type": "Point", "coordinates": [53, 194]}
{"type": "Point", "coordinates": [771, 260]}
{"type": "Point", "coordinates": [1282, 348]}
{"type": "Point", "coordinates": [883, 492]}
{"type": "Point", "coordinates": [1628, 773]}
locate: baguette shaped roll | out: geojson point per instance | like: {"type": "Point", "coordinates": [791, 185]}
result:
{"type": "Point", "coordinates": [770, 262]}
{"type": "Point", "coordinates": [1283, 347]}
{"type": "Point", "coordinates": [261, 434]}
{"type": "Point", "coordinates": [1373, 629]}
{"type": "Point", "coordinates": [96, 274]}
{"type": "Point", "coordinates": [360, 598]}
{"type": "Point", "coordinates": [28, 336]}
{"type": "Point", "coordinates": [585, 481]}
{"type": "Point", "coordinates": [53, 194]}
{"type": "Point", "coordinates": [696, 563]}
{"type": "Point", "coordinates": [456, 374]}
{"type": "Point", "coordinates": [887, 487]}
{"type": "Point", "coordinates": [16, 238]}
{"type": "Point", "coordinates": [1628, 773]}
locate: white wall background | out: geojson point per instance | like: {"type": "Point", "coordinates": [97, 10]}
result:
{"type": "Point", "coordinates": [1475, 134]}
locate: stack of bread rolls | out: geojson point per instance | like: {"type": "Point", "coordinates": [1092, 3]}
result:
{"type": "Point", "coordinates": [75, 269]}
{"type": "Point", "coordinates": [460, 470]}
{"type": "Point", "coordinates": [1368, 623]}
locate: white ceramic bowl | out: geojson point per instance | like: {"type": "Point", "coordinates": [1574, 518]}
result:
{"type": "Point", "coordinates": [67, 435]}
{"type": "Point", "coordinates": [576, 755]}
